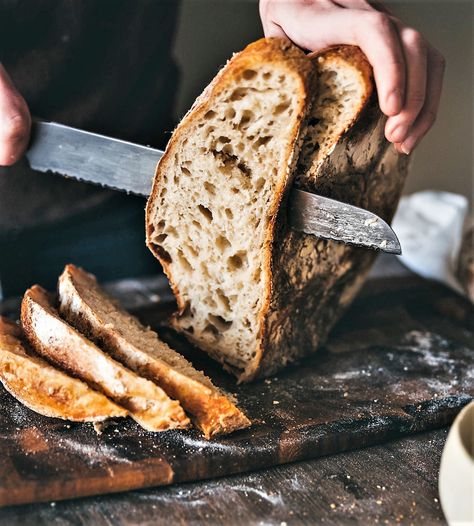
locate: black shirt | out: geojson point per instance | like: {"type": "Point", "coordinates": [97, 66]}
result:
{"type": "Point", "coordinates": [102, 65]}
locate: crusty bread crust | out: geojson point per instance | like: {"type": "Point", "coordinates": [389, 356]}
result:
{"type": "Point", "coordinates": [315, 280]}
{"type": "Point", "coordinates": [45, 389]}
{"type": "Point", "coordinates": [276, 358]}
{"type": "Point", "coordinates": [61, 344]}
{"type": "Point", "coordinates": [86, 306]}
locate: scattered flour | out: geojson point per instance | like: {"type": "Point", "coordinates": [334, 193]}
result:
{"type": "Point", "coordinates": [430, 345]}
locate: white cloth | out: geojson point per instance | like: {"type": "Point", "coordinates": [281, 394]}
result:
{"type": "Point", "coordinates": [429, 225]}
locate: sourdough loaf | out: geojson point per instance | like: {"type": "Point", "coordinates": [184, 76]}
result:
{"type": "Point", "coordinates": [86, 306]}
{"type": "Point", "coordinates": [252, 292]}
{"type": "Point", "coordinates": [45, 389]}
{"type": "Point", "coordinates": [61, 344]}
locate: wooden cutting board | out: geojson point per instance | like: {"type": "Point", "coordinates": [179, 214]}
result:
{"type": "Point", "coordinates": [401, 361]}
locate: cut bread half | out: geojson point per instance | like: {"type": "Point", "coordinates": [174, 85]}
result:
{"type": "Point", "coordinates": [61, 344]}
{"type": "Point", "coordinates": [45, 389]}
{"type": "Point", "coordinates": [87, 307]}
{"type": "Point", "coordinates": [211, 214]}
{"type": "Point", "coordinates": [252, 292]}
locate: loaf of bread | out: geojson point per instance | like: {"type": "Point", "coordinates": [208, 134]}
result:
{"type": "Point", "coordinates": [45, 389]}
{"type": "Point", "coordinates": [58, 342]}
{"type": "Point", "coordinates": [86, 306]}
{"type": "Point", "coordinates": [252, 292]}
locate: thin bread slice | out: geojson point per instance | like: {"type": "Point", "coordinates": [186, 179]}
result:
{"type": "Point", "coordinates": [43, 388]}
{"type": "Point", "coordinates": [61, 344]}
{"type": "Point", "coordinates": [86, 306]}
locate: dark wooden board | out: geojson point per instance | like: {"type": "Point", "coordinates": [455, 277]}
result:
{"type": "Point", "coordinates": [390, 484]}
{"type": "Point", "coordinates": [399, 362]}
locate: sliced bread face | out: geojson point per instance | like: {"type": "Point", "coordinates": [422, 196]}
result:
{"type": "Point", "coordinates": [45, 389]}
{"type": "Point", "coordinates": [58, 342]}
{"type": "Point", "coordinates": [86, 306]}
{"type": "Point", "coordinates": [211, 214]}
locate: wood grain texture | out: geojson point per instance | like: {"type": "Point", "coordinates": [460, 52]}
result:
{"type": "Point", "coordinates": [398, 363]}
{"type": "Point", "coordinates": [389, 485]}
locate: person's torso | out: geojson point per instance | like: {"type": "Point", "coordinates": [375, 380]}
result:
{"type": "Point", "coordinates": [101, 65]}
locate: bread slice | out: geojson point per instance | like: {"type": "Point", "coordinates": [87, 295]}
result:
{"type": "Point", "coordinates": [62, 345]}
{"type": "Point", "coordinates": [86, 306]}
{"type": "Point", "coordinates": [245, 283]}
{"type": "Point", "coordinates": [45, 389]}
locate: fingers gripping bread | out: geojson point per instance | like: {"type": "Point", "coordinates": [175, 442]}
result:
{"type": "Point", "coordinates": [251, 292]}
{"type": "Point", "coordinates": [45, 389]}
{"type": "Point", "coordinates": [62, 345]}
{"type": "Point", "coordinates": [86, 306]}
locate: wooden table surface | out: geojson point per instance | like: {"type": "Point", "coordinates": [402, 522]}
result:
{"type": "Point", "coordinates": [394, 483]}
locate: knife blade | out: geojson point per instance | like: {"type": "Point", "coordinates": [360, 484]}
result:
{"type": "Point", "coordinates": [128, 167]}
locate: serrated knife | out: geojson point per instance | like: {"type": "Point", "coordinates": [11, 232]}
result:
{"type": "Point", "coordinates": [130, 168]}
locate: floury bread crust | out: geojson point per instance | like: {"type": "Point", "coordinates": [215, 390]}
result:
{"type": "Point", "coordinates": [252, 292]}
{"type": "Point", "coordinates": [86, 306]}
{"type": "Point", "coordinates": [45, 389]}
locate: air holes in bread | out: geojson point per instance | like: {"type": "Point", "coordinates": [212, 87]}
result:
{"type": "Point", "coordinates": [160, 238]}
{"type": "Point", "coordinates": [162, 253]}
{"type": "Point", "coordinates": [183, 260]}
{"type": "Point", "coordinates": [247, 116]}
{"type": "Point", "coordinates": [262, 141]}
{"type": "Point", "coordinates": [230, 113]}
{"type": "Point", "coordinates": [282, 107]}
{"type": "Point", "coordinates": [222, 243]}
{"type": "Point", "coordinates": [205, 212]}
{"type": "Point", "coordinates": [210, 188]}
{"type": "Point", "coordinates": [236, 261]}
{"type": "Point", "coordinates": [259, 184]}
{"type": "Point", "coordinates": [211, 330]}
{"type": "Point", "coordinates": [223, 300]}
{"type": "Point", "coordinates": [209, 115]}
{"type": "Point", "coordinates": [249, 74]}
{"type": "Point", "coordinates": [219, 322]}
{"type": "Point", "coordinates": [238, 94]}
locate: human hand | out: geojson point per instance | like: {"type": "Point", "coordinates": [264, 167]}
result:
{"type": "Point", "coordinates": [15, 121]}
{"type": "Point", "coordinates": [408, 71]}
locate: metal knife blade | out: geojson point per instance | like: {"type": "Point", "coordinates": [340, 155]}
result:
{"type": "Point", "coordinates": [331, 219]}
{"type": "Point", "coordinates": [129, 167]}
{"type": "Point", "coordinates": [92, 158]}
